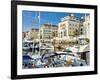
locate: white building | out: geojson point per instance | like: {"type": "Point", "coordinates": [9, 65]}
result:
{"type": "Point", "coordinates": [68, 27]}
{"type": "Point", "coordinates": [86, 25]}
{"type": "Point", "coordinates": [32, 34]}
{"type": "Point", "coordinates": [85, 30]}
{"type": "Point", "coordinates": [27, 35]}
{"type": "Point", "coordinates": [48, 32]}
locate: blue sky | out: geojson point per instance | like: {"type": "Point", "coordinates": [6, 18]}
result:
{"type": "Point", "coordinates": [30, 18]}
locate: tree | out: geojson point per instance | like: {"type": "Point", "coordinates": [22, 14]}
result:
{"type": "Point", "coordinates": [76, 34]}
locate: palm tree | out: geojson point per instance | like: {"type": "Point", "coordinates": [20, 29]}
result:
{"type": "Point", "coordinates": [76, 34]}
{"type": "Point", "coordinates": [59, 47]}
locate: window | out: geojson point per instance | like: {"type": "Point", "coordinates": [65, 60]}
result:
{"type": "Point", "coordinates": [61, 34]}
{"type": "Point", "coordinates": [65, 33]}
{"type": "Point", "coordinates": [88, 24]}
{"type": "Point", "coordinates": [69, 24]}
{"type": "Point", "coordinates": [81, 29]}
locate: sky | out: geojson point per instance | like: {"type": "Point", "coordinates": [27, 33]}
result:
{"type": "Point", "coordinates": [30, 19]}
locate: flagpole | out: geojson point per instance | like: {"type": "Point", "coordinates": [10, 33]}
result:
{"type": "Point", "coordinates": [85, 26]}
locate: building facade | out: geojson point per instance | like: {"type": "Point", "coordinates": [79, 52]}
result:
{"type": "Point", "coordinates": [48, 31]}
{"type": "Point", "coordinates": [84, 30]}
{"type": "Point", "coordinates": [23, 35]}
{"type": "Point", "coordinates": [86, 25]}
{"type": "Point", "coordinates": [27, 35]}
{"type": "Point", "coordinates": [68, 27]}
{"type": "Point", "coordinates": [32, 34]}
